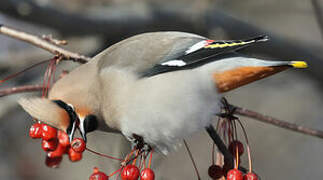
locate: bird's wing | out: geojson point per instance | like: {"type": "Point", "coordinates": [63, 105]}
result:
{"type": "Point", "coordinates": [150, 54]}
{"type": "Point", "coordinates": [200, 53]}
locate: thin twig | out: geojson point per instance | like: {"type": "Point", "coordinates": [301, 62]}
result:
{"type": "Point", "coordinates": [20, 89]}
{"type": "Point", "coordinates": [192, 159]}
{"type": "Point", "coordinates": [277, 122]}
{"type": "Point", "coordinates": [39, 42]}
{"type": "Point", "coordinates": [103, 155]}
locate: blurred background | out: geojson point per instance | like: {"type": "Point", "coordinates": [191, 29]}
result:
{"type": "Point", "coordinates": [296, 31]}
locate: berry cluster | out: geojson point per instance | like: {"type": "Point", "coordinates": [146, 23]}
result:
{"type": "Point", "coordinates": [216, 172]}
{"type": "Point", "coordinates": [129, 172]}
{"type": "Point", "coordinates": [128, 169]}
{"type": "Point", "coordinates": [56, 143]}
{"type": "Point", "coordinates": [227, 127]}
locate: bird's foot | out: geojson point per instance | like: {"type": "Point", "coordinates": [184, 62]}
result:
{"type": "Point", "coordinates": [228, 110]}
{"type": "Point", "coordinates": [140, 144]}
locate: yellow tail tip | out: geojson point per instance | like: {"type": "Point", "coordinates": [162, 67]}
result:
{"type": "Point", "coordinates": [298, 64]}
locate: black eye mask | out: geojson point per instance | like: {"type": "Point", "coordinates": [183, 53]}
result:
{"type": "Point", "coordinates": [90, 123]}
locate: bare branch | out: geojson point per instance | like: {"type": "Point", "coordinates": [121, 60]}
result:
{"type": "Point", "coordinates": [20, 89]}
{"type": "Point", "coordinates": [39, 42]}
{"type": "Point", "coordinates": [277, 122]}
{"type": "Point", "coordinates": [52, 40]}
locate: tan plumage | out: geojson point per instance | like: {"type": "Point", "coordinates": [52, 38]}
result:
{"type": "Point", "coordinates": [45, 110]}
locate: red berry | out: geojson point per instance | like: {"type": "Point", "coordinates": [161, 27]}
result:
{"type": "Point", "coordinates": [98, 175]}
{"type": "Point", "coordinates": [35, 131]}
{"type": "Point", "coordinates": [234, 174]}
{"type": "Point", "coordinates": [74, 156]}
{"type": "Point", "coordinates": [250, 176]}
{"type": "Point", "coordinates": [234, 145]}
{"type": "Point", "coordinates": [49, 145]}
{"type": "Point", "coordinates": [53, 162]}
{"type": "Point", "coordinates": [78, 145]}
{"type": "Point", "coordinates": [130, 172]}
{"type": "Point", "coordinates": [48, 132]}
{"type": "Point", "coordinates": [147, 174]}
{"type": "Point", "coordinates": [63, 138]}
{"type": "Point", "coordinates": [215, 172]}
{"type": "Point", "coordinates": [59, 151]}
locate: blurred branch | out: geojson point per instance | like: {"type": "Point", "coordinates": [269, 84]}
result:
{"type": "Point", "coordinates": [44, 44]}
{"type": "Point", "coordinates": [318, 14]}
{"type": "Point", "coordinates": [279, 123]}
{"type": "Point", "coordinates": [20, 89]}
{"type": "Point", "coordinates": [192, 159]}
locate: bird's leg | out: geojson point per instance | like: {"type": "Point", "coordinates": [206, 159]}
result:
{"type": "Point", "coordinates": [220, 144]}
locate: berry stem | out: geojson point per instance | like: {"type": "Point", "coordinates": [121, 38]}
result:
{"type": "Point", "coordinates": [128, 161]}
{"type": "Point", "coordinates": [193, 162]}
{"type": "Point", "coordinates": [20, 72]}
{"type": "Point", "coordinates": [248, 146]}
{"type": "Point", "coordinates": [237, 157]}
{"type": "Point", "coordinates": [103, 155]}
{"type": "Point", "coordinates": [136, 157]}
{"type": "Point", "coordinates": [151, 157]}
{"type": "Point", "coordinates": [115, 172]}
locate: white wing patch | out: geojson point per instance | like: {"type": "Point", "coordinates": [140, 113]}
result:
{"type": "Point", "coordinates": [176, 62]}
{"type": "Point", "coordinates": [197, 46]}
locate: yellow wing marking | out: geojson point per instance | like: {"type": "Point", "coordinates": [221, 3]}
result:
{"type": "Point", "coordinates": [219, 45]}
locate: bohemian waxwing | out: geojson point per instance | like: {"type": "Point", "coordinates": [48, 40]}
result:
{"type": "Point", "coordinates": [161, 86]}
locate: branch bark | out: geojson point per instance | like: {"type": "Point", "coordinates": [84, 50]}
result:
{"type": "Point", "coordinates": [41, 43]}
{"type": "Point", "coordinates": [279, 123]}
{"type": "Point", "coordinates": [20, 89]}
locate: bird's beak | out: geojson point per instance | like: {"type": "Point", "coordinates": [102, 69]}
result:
{"type": "Point", "coordinates": [237, 77]}
{"type": "Point", "coordinates": [82, 129]}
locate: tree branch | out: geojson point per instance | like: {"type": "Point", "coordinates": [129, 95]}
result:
{"type": "Point", "coordinates": [40, 42]}
{"type": "Point", "coordinates": [20, 89]}
{"type": "Point", "coordinates": [279, 123]}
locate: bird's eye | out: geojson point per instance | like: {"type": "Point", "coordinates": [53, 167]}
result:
{"type": "Point", "coordinates": [90, 123]}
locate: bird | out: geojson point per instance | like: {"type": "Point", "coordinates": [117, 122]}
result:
{"type": "Point", "coordinates": [159, 86]}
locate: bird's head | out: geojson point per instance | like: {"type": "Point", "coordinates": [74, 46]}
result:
{"type": "Point", "coordinates": [236, 72]}
{"type": "Point", "coordinates": [61, 115]}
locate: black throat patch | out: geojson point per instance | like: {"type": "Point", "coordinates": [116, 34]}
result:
{"type": "Point", "coordinates": [71, 113]}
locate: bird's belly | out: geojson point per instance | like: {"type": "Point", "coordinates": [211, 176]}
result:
{"type": "Point", "coordinates": [165, 114]}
